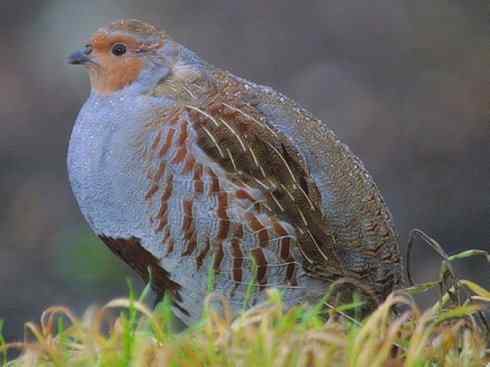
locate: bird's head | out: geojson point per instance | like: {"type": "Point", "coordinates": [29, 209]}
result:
{"type": "Point", "coordinates": [125, 53]}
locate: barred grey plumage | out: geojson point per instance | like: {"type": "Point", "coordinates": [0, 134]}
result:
{"type": "Point", "coordinates": [186, 168]}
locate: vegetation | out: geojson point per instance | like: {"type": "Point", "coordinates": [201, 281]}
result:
{"type": "Point", "coordinates": [125, 332]}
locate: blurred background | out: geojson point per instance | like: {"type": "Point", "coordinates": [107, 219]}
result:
{"type": "Point", "coordinates": [405, 83]}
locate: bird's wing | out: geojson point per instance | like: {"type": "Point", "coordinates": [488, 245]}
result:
{"type": "Point", "coordinates": [351, 203]}
{"type": "Point", "coordinates": [257, 157]}
{"type": "Point", "coordinates": [254, 152]}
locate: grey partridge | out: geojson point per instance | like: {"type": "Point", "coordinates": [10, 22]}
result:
{"type": "Point", "coordinates": [187, 170]}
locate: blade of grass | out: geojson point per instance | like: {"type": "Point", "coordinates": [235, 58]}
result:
{"type": "Point", "coordinates": [211, 277]}
{"type": "Point", "coordinates": [251, 287]}
{"type": "Point", "coordinates": [481, 292]}
{"type": "Point", "coordinates": [147, 289]}
{"type": "Point", "coordinates": [3, 344]}
{"type": "Point", "coordinates": [129, 328]}
{"type": "Point", "coordinates": [470, 253]}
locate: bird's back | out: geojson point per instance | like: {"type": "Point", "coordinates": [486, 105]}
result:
{"type": "Point", "coordinates": [352, 206]}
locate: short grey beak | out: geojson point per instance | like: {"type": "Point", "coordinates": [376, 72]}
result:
{"type": "Point", "coordinates": [79, 57]}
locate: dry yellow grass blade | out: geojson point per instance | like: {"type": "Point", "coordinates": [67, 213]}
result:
{"type": "Point", "coordinates": [265, 335]}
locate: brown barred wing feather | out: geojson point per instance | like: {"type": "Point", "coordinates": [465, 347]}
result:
{"type": "Point", "coordinates": [257, 158]}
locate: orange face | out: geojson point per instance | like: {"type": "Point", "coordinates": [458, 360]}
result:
{"type": "Point", "coordinates": [115, 55]}
{"type": "Point", "coordinates": [116, 62]}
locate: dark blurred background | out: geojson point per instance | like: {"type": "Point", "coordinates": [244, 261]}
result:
{"type": "Point", "coordinates": [406, 84]}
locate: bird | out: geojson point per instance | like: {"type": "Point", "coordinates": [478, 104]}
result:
{"type": "Point", "coordinates": [203, 181]}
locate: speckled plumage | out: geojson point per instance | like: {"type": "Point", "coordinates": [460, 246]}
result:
{"type": "Point", "coordinates": [189, 169]}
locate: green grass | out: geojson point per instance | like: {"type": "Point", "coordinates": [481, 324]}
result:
{"type": "Point", "coordinates": [126, 332]}
{"type": "Point", "coordinates": [266, 335]}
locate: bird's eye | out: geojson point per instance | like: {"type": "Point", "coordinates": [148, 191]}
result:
{"type": "Point", "coordinates": [119, 49]}
{"type": "Point", "coordinates": [88, 49]}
